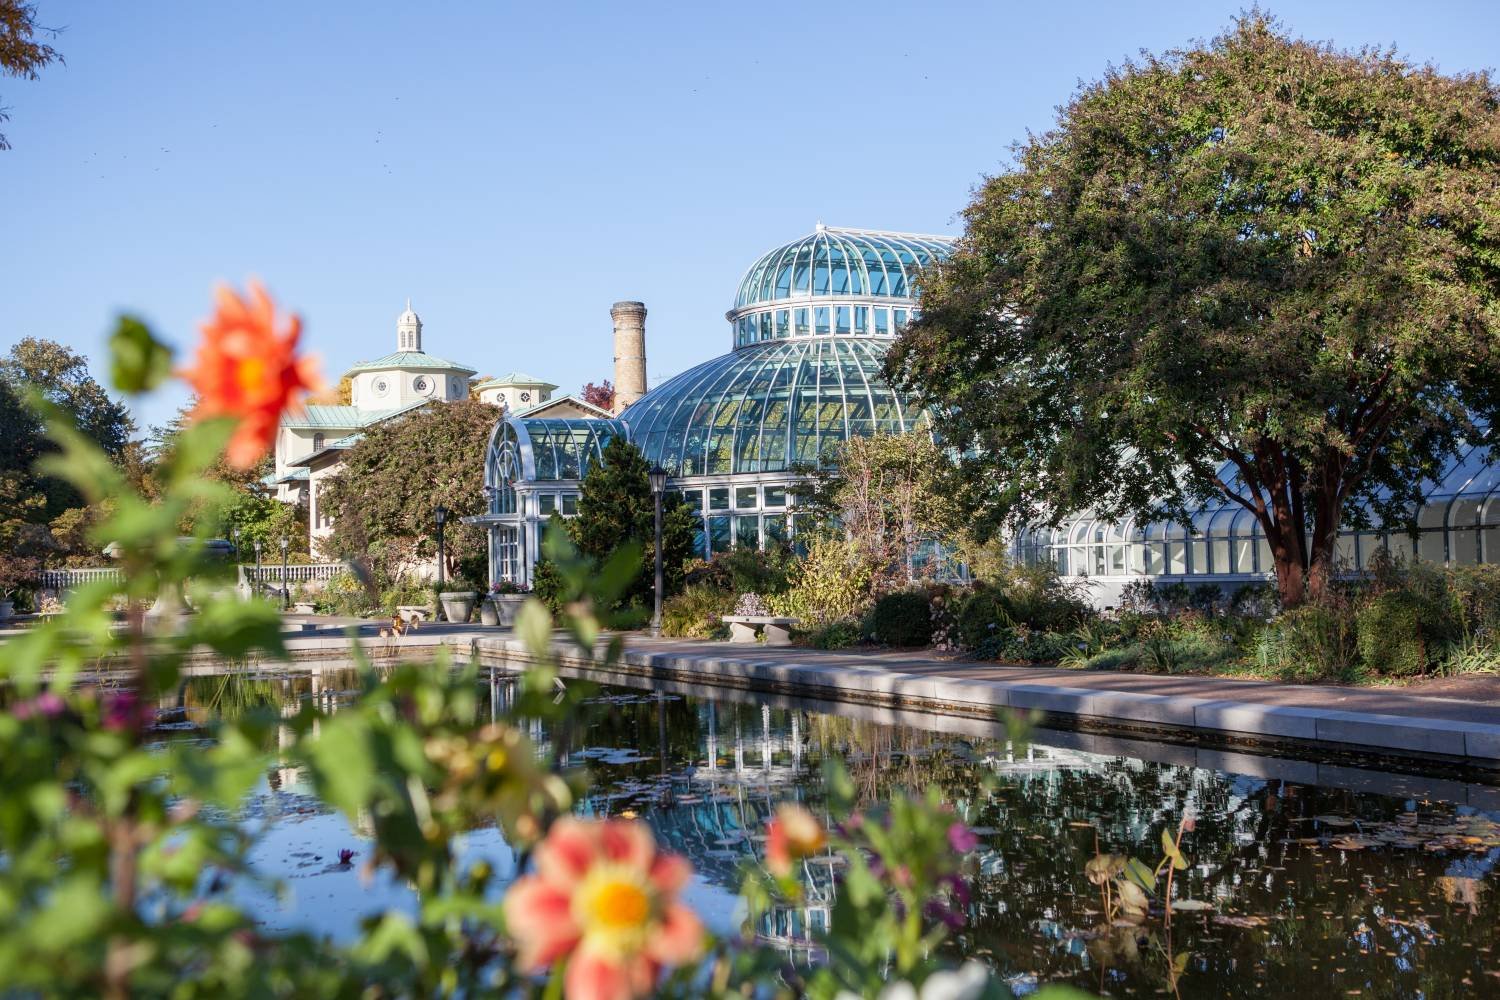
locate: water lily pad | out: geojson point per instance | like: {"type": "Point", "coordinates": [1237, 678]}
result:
{"type": "Point", "coordinates": [1190, 905]}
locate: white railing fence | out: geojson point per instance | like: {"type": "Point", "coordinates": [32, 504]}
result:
{"type": "Point", "coordinates": [67, 579]}
{"type": "Point", "coordinates": [271, 572]}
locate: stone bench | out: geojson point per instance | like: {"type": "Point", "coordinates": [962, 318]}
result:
{"type": "Point", "coordinates": [744, 628]}
{"type": "Point", "coordinates": [413, 612]}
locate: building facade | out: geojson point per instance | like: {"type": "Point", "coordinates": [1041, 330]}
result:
{"type": "Point", "coordinates": [311, 442]}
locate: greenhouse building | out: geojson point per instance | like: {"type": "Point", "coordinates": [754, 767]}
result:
{"type": "Point", "coordinates": [1458, 523]}
{"type": "Point", "coordinates": [810, 326]}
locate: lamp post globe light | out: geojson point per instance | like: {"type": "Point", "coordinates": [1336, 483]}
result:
{"type": "Point", "coordinates": [235, 532]}
{"type": "Point", "coordinates": [658, 478]}
{"type": "Point", "coordinates": [286, 590]}
{"type": "Point", "coordinates": [257, 565]}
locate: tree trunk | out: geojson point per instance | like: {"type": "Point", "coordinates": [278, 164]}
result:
{"type": "Point", "coordinates": [1288, 556]}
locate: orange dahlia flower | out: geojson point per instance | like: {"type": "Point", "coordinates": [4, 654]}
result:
{"type": "Point", "coordinates": [604, 898]}
{"type": "Point", "coordinates": [249, 370]}
{"type": "Point", "coordinates": [794, 833]}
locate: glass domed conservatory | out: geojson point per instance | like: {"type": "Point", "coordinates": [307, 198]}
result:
{"type": "Point", "coordinates": [810, 327]}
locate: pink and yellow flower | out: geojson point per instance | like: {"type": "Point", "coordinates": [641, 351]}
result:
{"type": "Point", "coordinates": [793, 834]}
{"type": "Point", "coordinates": [604, 899]}
{"type": "Point", "coordinates": [248, 369]}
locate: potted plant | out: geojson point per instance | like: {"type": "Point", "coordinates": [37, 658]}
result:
{"type": "Point", "coordinates": [501, 604]}
{"type": "Point", "coordinates": [458, 601]}
{"type": "Point", "coordinates": [16, 573]}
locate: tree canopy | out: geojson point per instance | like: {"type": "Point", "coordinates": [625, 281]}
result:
{"type": "Point", "coordinates": [61, 376]}
{"type": "Point", "coordinates": [615, 508]}
{"type": "Point", "coordinates": [891, 495]}
{"type": "Point", "coordinates": [21, 54]}
{"type": "Point", "coordinates": [1261, 269]}
{"type": "Point", "coordinates": [382, 499]}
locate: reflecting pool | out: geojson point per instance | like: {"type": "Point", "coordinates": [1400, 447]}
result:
{"type": "Point", "coordinates": [1306, 878]}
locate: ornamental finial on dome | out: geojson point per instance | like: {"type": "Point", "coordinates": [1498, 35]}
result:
{"type": "Point", "coordinates": [409, 329]}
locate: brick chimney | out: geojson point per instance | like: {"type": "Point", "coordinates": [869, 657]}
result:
{"type": "Point", "coordinates": [630, 352]}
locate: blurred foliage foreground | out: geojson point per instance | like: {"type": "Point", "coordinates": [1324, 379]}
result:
{"type": "Point", "coordinates": [114, 857]}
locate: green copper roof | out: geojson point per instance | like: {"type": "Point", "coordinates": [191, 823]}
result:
{"type": "Point", "coordinates": [515, 378]}
{"type": "Point", "coordinates": [410, 359]}
{"type": "Point", "coordinates": [322, 418]}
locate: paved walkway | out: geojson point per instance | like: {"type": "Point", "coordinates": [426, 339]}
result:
{"type": "Point", "coordinates": [1386, 720]}
{"type": "Point", "coordinates": [1458, 719]}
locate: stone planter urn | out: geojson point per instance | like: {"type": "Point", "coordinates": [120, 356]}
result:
{"type": "Point", "coordinates": [488, 613]}
{"type": "Point", "coordinates": [7, 609]}
{"type": "Point", "coordinates": [458, 605]}
{"type": "Point", "coordinates": [506, 606]}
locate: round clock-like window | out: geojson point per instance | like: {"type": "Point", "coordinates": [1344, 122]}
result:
{"type": "Point", "coordinates": [500, 398]}
{"type": "Point", "coordinates": [421, 384]}
{"type": "Point", "coordinates": [381, 387]}
{"type": "Point", "coordinates": [525, 397]}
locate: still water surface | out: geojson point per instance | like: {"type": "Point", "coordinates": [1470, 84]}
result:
{"type": "Point", "coordinates": [1308, 880]}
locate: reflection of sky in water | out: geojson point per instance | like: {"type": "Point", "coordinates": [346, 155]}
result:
{"type": "Point", "coordinates": [1291, 910]}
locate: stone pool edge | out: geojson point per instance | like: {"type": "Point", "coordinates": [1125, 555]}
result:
{"type": "Point", "coordinates": [1474, 742]}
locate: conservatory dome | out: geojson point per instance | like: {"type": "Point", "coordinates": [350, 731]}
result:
{"type": "Point", "coordinates": [768, 407]}
{"type": "Point", "coordinates": [834, 282]}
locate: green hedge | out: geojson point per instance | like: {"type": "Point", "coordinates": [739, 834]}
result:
{"type": "Point", "coordinates": [902, 619]}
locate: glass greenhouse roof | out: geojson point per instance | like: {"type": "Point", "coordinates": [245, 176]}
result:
{"type": "Point", "coordinates": [841, 262]}
{"type": "Point", "coordinates": [558, 447]}
{"type": "Point", "coordinates": [767, 407]}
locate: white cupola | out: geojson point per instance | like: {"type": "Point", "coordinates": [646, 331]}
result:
{"type": "Point", "coordinates": [408, 330]}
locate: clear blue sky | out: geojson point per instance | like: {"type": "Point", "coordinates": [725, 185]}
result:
{"type": "Point", "coordinates": [516, 168]}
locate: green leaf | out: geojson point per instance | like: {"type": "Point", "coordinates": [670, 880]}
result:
{"type": "Point", "coordinates": [1139, 873]}
{"type": "Point", "coordinates": [534, 627]}
{"type": "Point", "coordinates": [138, 361]}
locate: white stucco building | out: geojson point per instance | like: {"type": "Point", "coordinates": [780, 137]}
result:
{"type": "Point", "coordinates": [310, 444]}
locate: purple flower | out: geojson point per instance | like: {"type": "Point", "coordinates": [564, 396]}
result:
{"type": "Point", "coordinates": [123, 711]}
{"type": "Point", "coordinates": [961, 838]}
{"type": "Point", "coordinates": [47, 705]}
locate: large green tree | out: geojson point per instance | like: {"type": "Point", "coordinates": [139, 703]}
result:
{"type": "Point", "coordinates": [1261, 269]}
{"type": "Point", "coordinates": [382, 499]}
{"type": "Point", "coordinates": [61, 376]}
{"type": "Point", "coordinates": [615, 508]}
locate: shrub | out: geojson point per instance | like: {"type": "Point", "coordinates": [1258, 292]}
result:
{"type": "Point", "coordinates": [1043, 601]}
{"type": "Point", "coordinates": [1139, 597]}
{"type": "Point", "coordinates": [902, 619]}
{"type": "Point", "coordinates": [344, 595]}
{"type": "Point", "coordinates": [1316, 642]}
{"type": "Point", "coordinates": [1256, 600]}
{"type": "Point", "coordinates": [407, 592]}
{"type": "Point", "coordinates": [695, 613]}
{"type": "Point", "coordinates": [981, 615]}
{"type": "Point", "coordinates": [838, 634]}
{"type": "Point", "coordinates": [1023, 645]}
{"type": "Point", "coordinates": [1392, 638]}
{"type": "Point", "coordinates": [547, 584]}
{"type": "Point", "coordinates": [831, 582]}
{"type": "Point", "coordinates": [1206, 597]}
{"type": "Point", "coordinates": [746, 570]}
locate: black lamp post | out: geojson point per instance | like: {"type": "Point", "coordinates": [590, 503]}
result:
{"type": "Point", "coordinates": [286, 591]}
{"type": "Point", "coordinates": [236, 534]}
{"type": "Point", "coordinates": [658, 477]}
{"type": "Point", "coordinates": [441, 516]}
{"type": "Point", "coordinates": [257, 567]}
